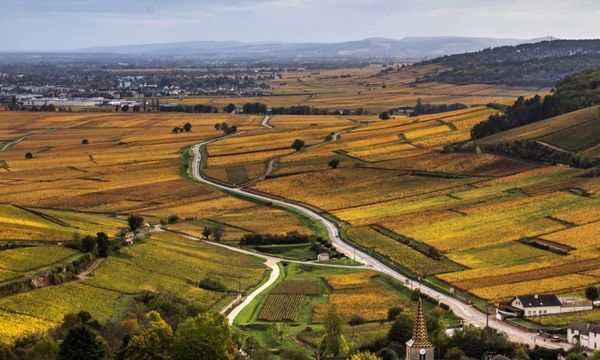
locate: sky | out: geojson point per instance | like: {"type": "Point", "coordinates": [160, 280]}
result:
{"type": "Point", "coordinates": [56, 25]}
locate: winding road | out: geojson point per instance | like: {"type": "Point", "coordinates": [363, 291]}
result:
{"type": "Point", "coordinates": [467, 312]}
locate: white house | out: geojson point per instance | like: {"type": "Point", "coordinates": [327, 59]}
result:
{"type": "Point", "coordinates": [535, 305]}
{"type": "Point", "coordinates": [539, 305]}
{"type": "Point", "coordinates": [588, 335]}
{"type": "Point", "coordinates": [323, 257]}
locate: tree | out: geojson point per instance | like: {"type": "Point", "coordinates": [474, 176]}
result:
{"type": "Point", "coordinates": [43, 349]}
{"type": "Point", "coordinates": [387, 354]}
{"type": "Point", "coordinates": [85, 141]}
{"type": "Point", "coordinates": [81, 343]}
{"type": "Point", "coordinates": [294, 354]}
{"type": "Point", "coordinates": [384, 115]}
{"type": "Point", "coordinates": [334, 163]}
{"type": "Point", "coordinates": [298, 144]}
{"type": "Point", "coordinates": [229, 108]}
{"type": "Point", "coordinates": [103, 244]}
{"type": "Point", "coordinates": [206, 233]}
{"type": "Point", "coordinates": [217, 233]}
{"type": "Point", "coordinates": [217, 126]}
{"type": "Point", "coordinates": [172, 219]}
{"type": "Point", "coordinates": [88, 244]}
{"type": "Point", "coordinates": [454, 354]}
{"type": "Point", "coordinates": [135, 222]}
{"type": "Point", "coordinates": [154, 342]}
{"type": "Point", "coordinates": [401, 330]}
{"type": "Point", "coordinates": [205, 336]}
{"type": "Point", "coordinates": [354, 321]}
{"type": "Point", "coordinates": [136, 108]}
{"type": "Point", "coordinates": [393, 313]}
{"type": "Point", "coordinates": [176, 130]}
{"type": "Point", "coordinates": [6, 353]}
{"type": "Point", "coordinates": [592, 293]}
{"type": "Point", "coordinates": [29, 156]}
{"type": "Point", "coordinates": [187, 127]}
{"type": "Point", "coordinates": [365, 356]}
{"type": "Point", "coordinates": [333, 343]}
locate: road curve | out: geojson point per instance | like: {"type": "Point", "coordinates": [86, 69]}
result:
{"type": "Point", "coordinates": [467, 312]}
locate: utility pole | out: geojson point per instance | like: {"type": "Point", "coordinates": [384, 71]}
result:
{"type": "Point", "coordinates": [487, 315]}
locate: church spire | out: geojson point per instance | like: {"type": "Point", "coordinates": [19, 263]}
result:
{"type": "Point", "coordinates": [420, 338]}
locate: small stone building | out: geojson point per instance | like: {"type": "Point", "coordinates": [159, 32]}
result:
{"type": "Point", "coordinates": [587, 335]}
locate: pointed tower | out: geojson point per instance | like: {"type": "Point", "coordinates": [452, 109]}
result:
{"type": "Point", "coordinates": [419, 347]}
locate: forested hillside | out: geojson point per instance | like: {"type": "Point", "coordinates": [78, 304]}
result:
{"type": "Point", "coordinates": [538, 64]}
{"type": "Point", "coordinates": [574, 92]}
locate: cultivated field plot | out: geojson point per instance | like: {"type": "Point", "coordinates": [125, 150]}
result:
{"type": "Point", "coordinates": [281, 307]}
{"type": "Point", "coordinates": [357, 294]}
{"type": "Point", "coordinates": [299, 287]}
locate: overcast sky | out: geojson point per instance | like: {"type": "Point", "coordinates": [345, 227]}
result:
{"type": "Point", "coordinates": [71, 24]}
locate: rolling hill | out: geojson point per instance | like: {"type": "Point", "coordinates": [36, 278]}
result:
{"type": "Point", "coordinates": [538, 64]}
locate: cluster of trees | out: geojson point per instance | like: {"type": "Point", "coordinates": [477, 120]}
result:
{"type": "Point", "coordinates": [531, 150]}
{"type": "Point", "coordinates": [164, 328]}
{"type": "Point", "coordinates": [270, 239]}
{"type": "Point", "coordinates": [227, 130]}
{"type": "Point", "coordinates": [40, 108]}
{"type": "Point", "coordinates": [99, 245]}
{"type": "Point", "coordinates": [539, 64]}
{"type": "Point", "coordinates": [199, 108]}
{"type": "Point", "coordinates": [574, 92]}
{"type": "Point", "coordinates": [424, 109]}
{"type": "Point", "coordinates": [187, 127]}
{"type": "Point", "coordinates": [216, 232]}
{"type": "Point", "coordinates": [309, 110]}
{"type": "Point", "coordinates": [255, 108]}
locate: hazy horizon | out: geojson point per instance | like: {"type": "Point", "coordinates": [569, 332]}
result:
{"type": "Point", "coordinates": [35, 25]}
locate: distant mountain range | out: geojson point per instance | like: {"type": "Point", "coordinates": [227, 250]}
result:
{"type": "Point", "coordinates": [413, 48]}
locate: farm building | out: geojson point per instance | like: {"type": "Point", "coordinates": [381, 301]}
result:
{"type": "Point", "coordinates": [587, 335]}
{"type": "Point", "coordinates": [323, 257]}
{"type": "Point", "coordinates": [539, 305]}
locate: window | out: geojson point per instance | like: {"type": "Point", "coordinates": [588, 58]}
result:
{"type": "Point", "coordinates": [422, 356]}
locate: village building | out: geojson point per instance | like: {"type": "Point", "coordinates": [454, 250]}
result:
{"type": "Point", "coordinates": [323, 257]}
{"type": "Point", "coordinates": [540, 305]}
{"type": "Point", "coordinates": [587, 335]}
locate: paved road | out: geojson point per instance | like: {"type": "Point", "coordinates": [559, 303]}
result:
{"type": "Point", "coordinates": [468, 313]}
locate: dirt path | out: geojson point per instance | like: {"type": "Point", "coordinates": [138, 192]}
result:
{"type": "Point", "coordinates": [85, 274]}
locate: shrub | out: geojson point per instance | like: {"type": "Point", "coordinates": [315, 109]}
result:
{"type": "Point", "coordinates": [29, 156]}
{"type": "Point", "coordinates": [212, 285]}
{"type": "Point", "coordinates": [172, 219]}
{"type": "Point", "coordinates": [85, 141]}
